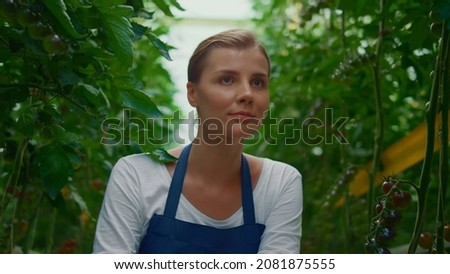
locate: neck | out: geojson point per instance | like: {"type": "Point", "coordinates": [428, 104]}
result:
{"type": "Point", "coordinates": [219, 161]}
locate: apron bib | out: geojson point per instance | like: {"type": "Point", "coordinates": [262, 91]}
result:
{"type": "Point", "coordinates": [167, 235]}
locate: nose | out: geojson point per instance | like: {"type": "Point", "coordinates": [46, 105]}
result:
{"type": "Point", "coordinates": [245, 94]}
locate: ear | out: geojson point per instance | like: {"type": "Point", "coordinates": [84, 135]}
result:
{"type": "Point", "coordinates": [192, 94]}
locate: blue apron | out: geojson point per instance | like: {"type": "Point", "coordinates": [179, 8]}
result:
{"type": "Point", "coordinates": [167, 235]}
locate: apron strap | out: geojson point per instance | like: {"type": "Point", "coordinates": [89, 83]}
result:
{"type": "Point", "coordinates": [176, 187]}
{"type": "Point", "coordinates": [248, 206]}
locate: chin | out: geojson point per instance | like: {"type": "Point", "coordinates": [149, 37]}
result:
{"type": "Point", "coordinates": [241, 134]}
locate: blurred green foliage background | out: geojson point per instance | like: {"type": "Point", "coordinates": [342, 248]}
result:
{"type": "Point", "coordinates": [74, 72]}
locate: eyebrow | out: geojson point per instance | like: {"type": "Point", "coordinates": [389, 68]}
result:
{"type": "Point", "coordinates": [232, 72]}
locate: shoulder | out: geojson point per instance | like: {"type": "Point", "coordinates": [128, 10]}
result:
{"type": "Point", "coordinates": [278, 168]}
{"type": "Point", "coordinates": [275, 174]}
{"type": "Point", "coordinates": [279, 177]}
{"type": "Point", "coordinates": [137, 163]}
{"type": "Point", "coordinates": [138, 172]}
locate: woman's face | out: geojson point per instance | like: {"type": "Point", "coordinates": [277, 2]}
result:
{"type": "Point", "coordinates": [232, 94]}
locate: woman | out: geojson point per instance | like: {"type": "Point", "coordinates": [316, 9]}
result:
{"type": "Point", "coordinates": [213, 199]}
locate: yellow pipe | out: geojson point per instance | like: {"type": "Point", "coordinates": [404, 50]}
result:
{"type": "Point", "coordinates": [405, 153]}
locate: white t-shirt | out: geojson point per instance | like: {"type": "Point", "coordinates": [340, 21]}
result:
{"type": "Point", "coordinates": [138, 188]}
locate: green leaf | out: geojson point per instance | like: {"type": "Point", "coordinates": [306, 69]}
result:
{"type": "Point", "coordinates": [74, 156]}
{"type": "Point", "coordinates": [59, 10]}
{"type": "Point", "coordinates": [54, 168]}
{"type": "Point", "coordinates": [160, 45]}
{"type": "Point", "coordinates": [139, 30]}
{"type": "Point", "coordinates": [48, 115]}
{"type": "Point", "coordinates": [162, 5]}
{"type": "Point", "coordinates": [91, 94]}
{"type": "Point", "coordinates": [79, 200]}
{"type": "Point", "coordinates": [140, 101]}
{"type": "Point", "coordinates": [68, 77]}
{"type": "Point", "coordinates": [63, 136]}
{"type": "Point", "coordinates": [137, 4]}
{"type": "Point", "coordinates": [27, 121]}
{"type": "Point", "coordinates": [162, 155]}
{"type": "Point", "coordinates": [91, 89]}
{"type": "Point", "coordinates": [120, 35]}
{"type": "Point", "coordinates": [145, 14]}
{"type": "Point", "coordinates": [121, 10]}
{"type": "Point", "coordinates": [124, 82]}
{"type": "Point", "coordinates": [107, 3]}
{"type": "Point", "coordinates": [58, 202]}
{"type": "Point", "coordinates": [176, 5]}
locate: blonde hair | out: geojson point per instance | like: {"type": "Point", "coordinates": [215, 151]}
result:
{"type": "Point", "coordinates": [235, 38]}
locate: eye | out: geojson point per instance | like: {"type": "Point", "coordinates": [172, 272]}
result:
{"type": "Point", "coordinates": [226, 80]}
{"type": "Point", "coordinates": [257, 82]}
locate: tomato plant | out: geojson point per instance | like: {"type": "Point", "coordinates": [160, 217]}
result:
{"type": "Point", "coordinates": [54, 45]}
{"type": "Point", "coordinates": [391, 218]}
{"type": "Point", "coordinates": [26, 17]}
{"type": "Point", "coordinates": [66, 67]}
{"type": "Point", "coordinates": [369, 62]}
{"type": "Point", "coordinates": [387, 186]}
{"type": "Point", "coordinates": [401, 200]}
{"type": "Point", "coordinates": [447, 232]}
{"type": "Point", "coordinates": [426, 240]}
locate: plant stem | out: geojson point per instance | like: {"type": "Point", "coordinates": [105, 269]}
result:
{"type": "Point", "coordinates": [12, 183]}
{"type": "Point", "coordinates": [51, 231]}
{"type": "Point", "coordinates": [31, 233]}
{"type": "Point", "coordinates": [431, 127]}
{"type": "Point", "coordinates": [343, 40]}
{"type": "Point", "coordinates": [28, 85]}
{"type": "Point", "coordinates": [443, 159]}
{"type": "Point", "coordinates": [15, 173]}
{"type": "Point", "coordinates": [379, 128]}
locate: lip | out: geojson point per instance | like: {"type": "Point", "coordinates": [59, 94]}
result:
{"type": "Point", "coordinates": [242, 114]}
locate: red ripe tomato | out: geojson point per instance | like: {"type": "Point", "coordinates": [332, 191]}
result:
{"type": "Point", "coordinates": [387, 185]}
{"type": "Point", "coordinates": [378, 208]}
{"type": "Point", "coordinates": [401, 200]}
{"type": "Point", "coordinates": [447, 232]}
{"type": "Point", "coordinates": [96, 184]}
{"type": "Point", "coordinates": [426, 240]}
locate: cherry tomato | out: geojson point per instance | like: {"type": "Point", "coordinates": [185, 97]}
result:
{"type": "Point", "coordinates": [70, 243]}
{"type": "Point", "coordinates": [447, 232]}
{"type": "Point", "coordinates": [436, 29]}
{"type": "Point", "coordinates": [370, 245]}
{"type": "Point", "coordinates": [378, 208]}
{"type": "Point", "coordinates": [54, 45]}
{"type": "Point", "coordinates": [391, 218]}
{"type": "Point", "coordinates": [38, 30]}
{"type": "Point", "coordinates": [96, 184]}
{"type": "Point", "coordinates": [385, 234]}
{"type": "Point", "coordinates": [8, 10]}
{"type": "Point", "coordinates": [26, 17]}
{"type": "Point", "coordinates": [23, 225]}
{"type": "Point", "coordinates": [434, 16]}
{"type": "Point", "coordinates": [401, 200]}
{"type": "Point", "coordinates": [382, 250]}
{"type": "Point", "coordinates": [387, 186]}
{"type": "Point", "coordinates": [426, 240]}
